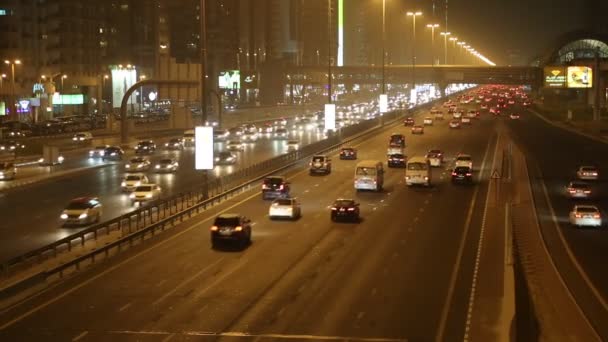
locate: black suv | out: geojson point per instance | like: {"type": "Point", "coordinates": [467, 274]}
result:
{"type": "Point", "coordinates": [145, 146]}
{"type": "Point", "coordinates": [348, 153]}
{"type": "Point", "coordinates": [112, 153]}
{"type": "Point", "coordinates": [320, 164]}
{"type": "Point", "coordinates": [275, 187]}
{"type": "Point", "coordinates": [345, 209]}
{"type": "Point", "coordinates": [462, 174]}
{"type": "Point", "coordinates": [231, 227]}
{"type": "Point", "coordinates": [396, 160]}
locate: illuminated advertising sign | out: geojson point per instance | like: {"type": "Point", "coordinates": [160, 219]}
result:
{"type": "Point", "coordinates": [413, 95]}
{"type": "Point", "coordinates": [340, 32]}
{"type": "Point", "coordinates": [71, 99]}
{"type": "Point", "coordinates": [230, 79]}
{"type": "Point", "coordinates": [203, 147]}
{"type": "Point", "coordinates": [383, 103]}
{"type": "Point", "coordinates": [555, 77]}
{"type": "Point", "coordinates": [330, 117]}
{"type": "Point", "coordinates": [580, 77]}
{"type": "Point", "coordinates": [2, 108]}
{"type": "Point", "coordinates": [249, 80]}
{"type": "Point", "coordinates": [122, 80]}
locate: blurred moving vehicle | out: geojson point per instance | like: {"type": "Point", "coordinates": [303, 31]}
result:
{"type": "Point", "coordinates": [293, 145]}
{"type": "Point", "coordinates": [275, 187]}
{"type": "Point", "coordinates": [320, 164]}
{"type": "Point", "coordinates": [396, 160]}
{"type": "Point", "coordinates": [145, 193]}
{"type": "Point", "coordinates": [585, 216]}
{"type": "Point", "coordinates": [418, 172]}
{"type": "Point", "coordinates": [578, 189]}
{"type": "Point", "coordinates": [454, 123]}
{"type": "Point", "coordinates": [145, 146]}
{"type": "Point", "coordinates": [588, 172]}
{"type": "Point", "coordinates": [435, 158]}
{"type": "Point", "coordinates": [188, 138]}
{"type": "Point", "coordinates": [231, 227]}
{"type": "Point", "coordinates": [138, 164]}
{"type": "Point", "coordinates": [166, 165]}
{"type": "Point", "coordinates": [132, 180]}
{"type": "Point", "coordinates": [82, 137]}
{"type": "Point", "coordinates": [235, 145]}
{"type": "Point", "coordinates": [225, 158]}
{"type": "Point", "coordinates": [98, 151]}
{"type": "Point", "coordinates": [175, 144]}
{"type": "Point", "coordinates": [113, 153]}
{"type": "Point", "coordinates": [369, 175]}
{"type": "Point", "coordinates": [397, 140]}
{"type": "Point", "coordinates": [417, 129]}
{"type": "Point", "coordinates": [8, 171]}
{"type": "Point", "coordinates": [285, 208]}
{"type": "Point", "coordinates": [82, 211]}
{"type": "Point", "coordinates": [11, 146]}
{"type": "Point", "coordinates": [408, 121]}
{"type": "Point", "coordinates": [462, 174]}
{"type": "Point", "coordinates": [345, 209]}
{"type": "Point", "coordinates": [348, 153]}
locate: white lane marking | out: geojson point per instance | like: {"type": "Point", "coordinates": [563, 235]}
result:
{"type": "Point", "coordinates": [161, 282]}
{"type": "Point", "coordinates": [444, 315]}
{"type": "Point", "coordinates": [124, 307]}
{"type": "Point", "coordinates": [168, 338]}
{"type": "Point", "coordinates": [81, 335]}
{"type": "Point", "coordinates": [360, 314]}
{"type": "Point", "coordinates": [185, 282]}
{"type": "Point", "coordinates": [471, 303]}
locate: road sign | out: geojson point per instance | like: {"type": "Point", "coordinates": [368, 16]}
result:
{"type": "Point", "coordinates": [495, 174]}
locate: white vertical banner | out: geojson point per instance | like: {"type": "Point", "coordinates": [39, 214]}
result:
{"type": "Point", "coordinates": [413, 96]}
{"type": "Point", "coordinates": [383, 103]}
{"type": "Point", "coordinates": [203, 148]}
{"type": "Point", "coordinates": [330, 117]}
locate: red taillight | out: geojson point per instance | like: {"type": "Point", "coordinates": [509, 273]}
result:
{"type": "Point", "coordinates": [281, 187]}
{"type": "Point", "coordinates": [469, 174]}
{"type": "Point", "coordinates": [453, 173]}
{"type": "Point", "coordinates": [571, 191]}
{"type": "Point", "coordinates": [351, 209]}
{"type": "Point", "coordinates": [597, 216]}
{"type": "Point", "coordinates": [577, 215]}
{"type": "Point", "coordinates": [264, 187]}
{"type": "Point", "coordinates": [238, 228]}
{"type": "Point", "coordinates": [334, 208]}
{"type": "Point", "coordinates": [214, 228]}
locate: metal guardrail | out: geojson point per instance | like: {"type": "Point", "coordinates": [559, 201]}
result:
{"type": "Point", "coordinates": [166, 213]}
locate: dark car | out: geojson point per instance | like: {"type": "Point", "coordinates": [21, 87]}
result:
{"type": "Point", "coordinates": [462, 174]}
{"type": "Point", "coordinates": [345, 209]}
{"type": "Point", "coordinates": [275, 187]}
{"type": "Point", "coordinates": [231, 227]}
{"type": "Point", "coordinates": [408, 122]}
{"type": "Point", "coordinates": [225, 158]}
{"type": "Point", "coordinates": [396, 160]}
{"type": "Point", "coordinates": [397, 140]}
{"type": "Point", "coordinates": [320, 164]}
{"type": "Point", "coordinates": [145, 146]}
{"type": "Point", "coordinates": [10, 146]}
{"type": "Point", "coordinates": [113, 153]}
{"type": "Point", "coordinates": [175, 144]}
{"type": "Point", "coordinates": [348, 153]}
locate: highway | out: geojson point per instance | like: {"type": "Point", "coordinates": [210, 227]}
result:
{"type": "Point", "coordinates": [402, 273]}
{"type": "Point", "coordinates": [553, 160]}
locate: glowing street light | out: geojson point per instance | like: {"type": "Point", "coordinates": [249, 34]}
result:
{"type": "Point", "coordinates": [445, 46]}
{"type": "Point", "coordinates": [432, 27]}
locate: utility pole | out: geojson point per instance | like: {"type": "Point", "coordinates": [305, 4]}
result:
{"type": "Point", "coordinates": [203, 60]}
{"type": "Point", "coordinates": [329, 33]}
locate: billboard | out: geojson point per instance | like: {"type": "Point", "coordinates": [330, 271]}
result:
{"type": "Point", "coordinates": [122, 79]}
{"type": "Point", "coordinates": [555, 77]}
{"type": "Point", "coordinates": [203, 148]}
{"type": "Point", "coordinates": [230, 79]}
{"type": "Point", "coordinates": [580, 77]}
{"type": "Point", "coordinates": [383, 103]}
{"type": "Point", "coordinates": [330, 117]}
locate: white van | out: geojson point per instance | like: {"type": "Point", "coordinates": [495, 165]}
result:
{"type": "Point", "coordinates": [418, 171]}
{"type": "Point", "coordinates": [369, 175]}
{"type": "Point", "coordinates": [189, 138]}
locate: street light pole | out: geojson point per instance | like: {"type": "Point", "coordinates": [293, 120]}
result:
{"type": "Point", "coordinates": [329, 33]}
{"type": "Point", "coordinates": [203, 62]}
{"type": "Point", "coordinates": [414, 15]}
{"type": "Point", "coordinates": [383, 46]}
{"type": "Point", "coordinates": [432, 27]}
{"type": "Point", "coordinates": [454, 40]}
{"type": "Point", "coordinates": [12, 110]}
{"type": "Point", "coordinates": [445, 46]}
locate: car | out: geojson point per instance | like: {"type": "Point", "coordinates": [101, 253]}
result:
{"type": "Point", "coordinates": [495, 111]}
{"type": "Point", "coordinates": [417, 129]}
{"type": "Point", "coordinates": [285, 208]}
{"type": "Point", "coordinates": [166, 165]}
{"type": "Point", "coordinates": [82, 137]}
{"type": "Point", "coordinates": [225, 158]}
{"type": "Point", "coordinates": [320, 164]}
{"type": "Point", "coordinates": [526, 103]}
{"type": "Point", "coordinates": [145, 146]}
{"type": "Point", "coordinates": [484, 106]}
{"type": "Point", "coordinates": [473, 114]}
{"type": "Point", "coordinates": [465, 120]}
{"type": "Point", "coordinates": [145, 193]}
{"type": "Point", "coordinates": [175, 144]}
{"type": "Point", "coordinates": [463, 160]}
{"type": "Point", "coordinates": [437, 114]}
{"type": "Point", "coordinates": [462, 174]}
{"type": "Point", "coordinates": [578, 189]}
{"type": "Point", "coordinates": [98, 151]}
{"type": "Point", "coordinates": [396, 160]}
{"type": "Point", "coordinates": [82, 211]}
{"type": "Point", "coordinates": [587, 173]}
{"type": "Point", "coordinates": [113, 153]}
{"type": "Point", "coordinates": [235, 145]}
{"type": "Point", "coordinates": [220, 134]}
{"type": "Point", "coordinates": [428, 121]}
{"type": "Point", "coordinates": [348, 153]}
{"type": "Point", "coordinates": [435, 158]}
{"type": "Point", "coordinates": [189, 137]}
{"type": "Point", "coordinates": [236, 131]}
{"type": "Point", "coordinates": [17, 133]}
{"type": "Point", "coordinates": [585, 215]}
{"type": "Point", "coordinates": [267, 128]}
{"type": "Point", "coordinates": [249, 128]}
{"type": "Point", "coordinates": [249, 136]}
{"type": "Point", "coordinates": [11, 146]}
{"type": "Point", "coordinates": [343, 208]}
{"type": "Point", "coordinates": [133, 180]}
{"type": "Point", "coordinates": [511, 102]}
{"type": "Point", "coordinates": [281, 122]}
{"type": "Point", "coordinates": [280, 133]}
{"type": "Point", "coordinates": [275, 187]}
{"type": "Point", "coordinates": [138, 164]}
{"type": "Point", "coordinates": [396, 140]}
{"type": "Point", "coordinates": [408, 122]}
{"type": "Point", "coordinates": [293, 145]}
{"type": "Point", "coordinates": [457, 114]}
{"type": "Point", "coordinates": [454, 123]}
{"type": "Point", "coordinates": [7, 171]}
{"type": "Point", "coordinates": [231, 227]}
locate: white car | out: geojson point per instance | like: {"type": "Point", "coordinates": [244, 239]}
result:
{"type": "Point", "coordinates": [138, 164]}
{"type": "Point", "coordinates": [133, 180]}
{"type": "Point", "coordinates": [454, 123]}
{"type": "Point", "coordinates": [98, 151]}
{"type": "Point", "coordinates": [285, 208]}
{"type": "Point", "coordinates": [280, 133]}
{"type": "Point", "coordinates": [457, 115]}
{"type": "Point", "coordinates": [514, 116]}
{"type": "Point", "coordinates": [435, 158]}
{"type": "Point", "coordinates": [166, 165]}
{"type": "Point", "coordinates": [463, 160]}
{"type": "Point", "coordinates": [585, 215]}
{"type": "Point", "coordinates": [249, 136]}
{"type": "Point", "coordinates": [465, 120]}
{"type": "Point", "coordinates": [588, 173]}
{"type": "Point", "coordinates": [220, 134]}
{"type": "Point", "coordinates": [145, 193]}
{"type": "Point", "coordinates": [428, 121]}
{"type": "Point", "coordinates": [235, 145]}
{"type": "Point", "coordinates": [293, 145]}
{"type": "Point", "coordinates": [225, 158]}
{"type": "Point", "coordinates": [82, 136]}
{"type": "Point", "coordinates": [82, 211]}
{"type": "Point", "coordinates": [417, 129]}
{"type": "Point", "coordinates": [578, 189]}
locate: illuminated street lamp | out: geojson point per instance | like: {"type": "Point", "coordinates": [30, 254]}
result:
{"type": "Point", "coordinates": [453, 40]}
{"type": "Point", "coordinates": [414, 15]}
{"type": "Point", "coordinates": [460, 44]}
{"type": "Point", "coordinates": [445, 46]}
{"type": "Point", "coordinates": [432, 27]}
{"type": "Point", "coordinates": [63, 77]}
{"type": "Point", "coordinates": [12, 98]}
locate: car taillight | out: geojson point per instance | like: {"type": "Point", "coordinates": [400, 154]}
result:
{"type": "Point", "coordinates": [597, 216]}
{"type": "Point", "coordinates": [265, 187]}
{"type": "Point", "coordinates": [238, 228]}
{"type": "Point", "coordinates": [351, 209]}
{"type": "Point", "coordinates": [453, 173]}
{"type": "Point", "coordinates": [214, 228]}
{"type": "Point", "coordinates": [577, 215]}
{"type": "Point", "coordinates": [571, 190]}
{"type": "Point", "coordinates": [334, 208]}
{"type": "Point", "coordinates": [281, 187]}
{"type": "Point", "coordinates": [587, 191]}
{"type": "Point", "coordinates": [469, 174]}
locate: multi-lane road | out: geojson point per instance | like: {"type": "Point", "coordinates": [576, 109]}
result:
{"type": "Point", "coordinates": [403, 273]}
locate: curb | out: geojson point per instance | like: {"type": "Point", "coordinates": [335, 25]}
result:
{"type": "Point", "coordinates": [58, 174]}
{"type": "Point", "coordinates": [570, 129]}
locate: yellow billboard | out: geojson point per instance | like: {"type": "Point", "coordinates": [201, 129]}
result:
{"type": "Point", "coordinates": [580, 77]}
{"type": "Point", "coordinates": [555, 77]}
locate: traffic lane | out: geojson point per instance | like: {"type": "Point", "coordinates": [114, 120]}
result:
{"type": "Point", "coordinates": [188, 250]}
{"type": "Point", "coordinates": [35, 219]}
{"type": "Point", "coordinates": [558, 155]}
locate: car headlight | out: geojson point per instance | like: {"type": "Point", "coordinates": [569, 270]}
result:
{"type": "Point", "coordinates": [148, 195]}
{"type": "Point", "coordinates": [41, 160]}
{"type": "Point", "coordinates": [83, 216]}
{"type": "Point", "coordinates": [91, 153]}
{"type": "Point", "coordinates": [113, 153]}
{"type": "Point", "coordinates": [217, 159]}
{"type": "Point", "coordinates": [123, 184]}
{"type": "Point", "coordinates": [74, 138]}
{"type": "Point", "coordinates": [60, 159]}
{"type": "Point", "coordinates": [64, 216]}
{"type": "Point", "coordinates": [128, 166]}
{"type": "Point", "coordinates": [132, 196]}
{"type": "Point", "coordinates": [139, 166]}
{"type": "Point", "coordinates": [158, 166]}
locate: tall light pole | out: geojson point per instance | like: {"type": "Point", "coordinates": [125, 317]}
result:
{"type": "Point", "coordinates": [414, 15]}
{"type": "Point", "coordinates": [383, 46]}
{"type": "Point", "coordinates": [203, 80]}
{"type": "Point", "coordinates": [432, 27]}
{"type": "Point", "coordinates": [453, 40]}
{"type": "Point", "coordinates": [12, 110]}
{"type": "Point", "coordinates": [460, 44]}
{"type": "Point", "coordinates": [329, 34]}
{"type": "Point", "coordinates": [63, 77]}
{"type": "Point", "coordinates": [445, 46]}
{"type": "Point", "coordinates": [141, 94]}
